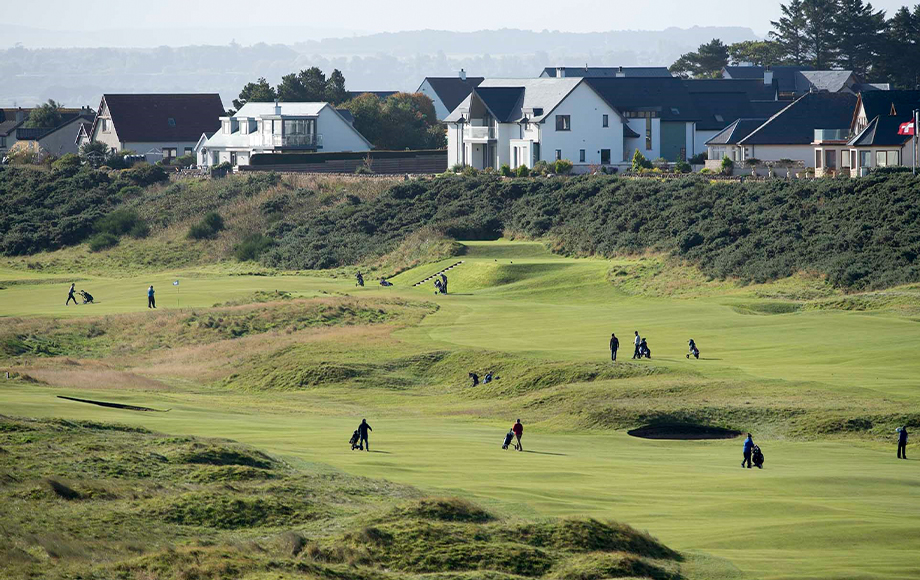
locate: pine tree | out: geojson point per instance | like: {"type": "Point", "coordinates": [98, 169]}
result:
{"type": "Point", "coordinates": [820, 41]}
{"type": "Point", "coordinates": [859, 32]}
{"type": "Point", "coordinates": [335, 88]}
{"type": "Point", "coordinates": [789, 32]}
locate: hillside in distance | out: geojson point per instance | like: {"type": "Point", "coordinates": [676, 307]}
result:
{"type": "Point", "coordinates": [386, 61]}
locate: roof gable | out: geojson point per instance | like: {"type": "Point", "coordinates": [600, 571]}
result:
{"type": "Point", "coordinates": [881, 131]}
{"type": "Point", "coordinates": [148, 118]}
{"type": "Point", "coordinates": [503, 102]}
{"type": "Point", "coordinates": [452, 90]}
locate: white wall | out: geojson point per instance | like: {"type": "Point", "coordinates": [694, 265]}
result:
{"type": "Point", "coordinates": [338, 134]}
{"type": "Point", "coordinates": [453, 145]}
{"type": "Point", "coordinates": [638, 125]}
{"type": "Point", "coordinates": [144, 148]}
{"type": "Point", "coordinates": [439, 108]}
{"type": "Point", "coordinates": [586, 110]}
{"type": "Point", "coordinates": [700, 138]}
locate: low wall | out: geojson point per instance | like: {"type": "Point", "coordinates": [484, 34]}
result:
{"type": "Point", "coordinates": [381, 162]}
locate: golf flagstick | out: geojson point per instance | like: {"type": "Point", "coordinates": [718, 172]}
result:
{"type": "Point", "coordinates": [176, 284]}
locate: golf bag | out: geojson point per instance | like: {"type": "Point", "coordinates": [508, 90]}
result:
{"type": "Point", "coordinates": [757, 457]}
{"type": "Point", "coordinates": [355, 438]}
{"type": "Point", "coordinates": [87, 297]}
{"type": "Point", "coordinates": [508, 437]}
{"type": "Point", "coordinates": [644, 350]}
{"type": "Point", "coordinates": [695, 352]}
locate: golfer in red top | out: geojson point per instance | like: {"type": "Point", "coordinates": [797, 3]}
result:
{"type": "Point", "coordinates": [518, 430]}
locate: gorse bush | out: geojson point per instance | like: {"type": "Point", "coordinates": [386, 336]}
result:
{"type": "Point", "coordinates": [208, 228]}
{"type": "Point", "coordinates": [563, 166]}
{"type": "Point", "coordinates": [505, 170]}
{"type": "Point", "coordinates": [122, 222]}
{"type": "Point", "coordinates": [252, 247]}
{"type": "Point", "coordinates": [861, 233]}
{"type": "Point", "coordinates": [102, 241]}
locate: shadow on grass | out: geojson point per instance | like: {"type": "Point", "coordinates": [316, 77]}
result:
{"type": "Point", "coordinates": [547, 453]}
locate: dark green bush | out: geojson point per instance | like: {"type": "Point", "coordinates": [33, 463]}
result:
{"type": "Point", "coordinates": [208, 228]}
{"type": "Point", "coordinates": [563, 167]}
{"type": "Point", "coordinates": [102, 241]}
{"type": "Point", "coordinates": [727, 166]}
{"type": "Point", "coordinates": [143, 175]}
{"type": "Point", "coordinates": [505, 170]}
{"type": "Point", "coordinates": [252, 247]}
{"type": "Point", "coordinates": [683, 167]}
{"type": "Point", "coordinates": [522, 171]}
{"type": "Point", "coordinates": [122, 222]}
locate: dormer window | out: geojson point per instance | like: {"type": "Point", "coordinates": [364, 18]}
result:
{"type": "Point", "coordinates": [172, 122]}
{"type": "Point", "coordinates": [538, 112]}
{"type": "Point", "coordinates": [720, 119]}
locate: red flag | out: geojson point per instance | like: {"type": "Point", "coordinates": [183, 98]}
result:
{"type": "Point", "coordinates": [906, 128]}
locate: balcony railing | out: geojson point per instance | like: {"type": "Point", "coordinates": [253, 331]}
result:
{"type": "Point", "coordinates": [472, 132]}
{"type": "Point", "coordinates": [308, 141]}
{"type": "Point", "coordinates": [831, 134]}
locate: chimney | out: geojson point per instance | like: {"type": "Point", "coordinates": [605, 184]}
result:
{"type": "Point", "coordinates": [560, 72]}
{"type": "Point", "coordinates": [462, 75]}
{"type": "Point", "coordinates": [620, 73]}
{"type": "Point", "coordinates": [277, 107]}
{"type": "Point", "coordinates": [767, 76]}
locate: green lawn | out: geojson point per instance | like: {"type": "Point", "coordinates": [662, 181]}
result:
{"type": "Point", "coordinates": [823, 508]}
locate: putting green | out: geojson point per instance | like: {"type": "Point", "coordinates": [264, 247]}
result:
{"type": "Point", "coordinates": [821, 509]}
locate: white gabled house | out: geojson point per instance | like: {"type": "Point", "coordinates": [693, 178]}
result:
{"type": "Point", "coordinates": [279, 128]}
{"type": "Point", "coordinates": [588, 121]}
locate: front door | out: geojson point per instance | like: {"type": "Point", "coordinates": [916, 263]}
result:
{"type": "Point", "coordinates": [605, 156]}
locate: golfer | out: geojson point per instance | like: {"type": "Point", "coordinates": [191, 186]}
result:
{"type": "Point", "coordinates": [70, 295]}
{"type": "Point", "coordinates": [637, 342]}
{"type": "Point", "coordinates": [151, 301]}
{"type": "Point", "coordinates": [363, 428]}
{"type": "Point", "coordinates": [748, 449]}
{"type": "Point", "coordinates": [902, 443]}
{"type": "Point", "coordinates": [518, 431]}
{"type": "Point", "coordinates": [614, 346]}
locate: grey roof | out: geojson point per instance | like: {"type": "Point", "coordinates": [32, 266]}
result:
{"type": "Point", "coordinates": [719, 109]}
{"type": "Point", "coordinates": [860, 87]}
{"type": "Point", "coordinates": [881, 131]}
{"type": "Point", "coordinates": [452, 90]}
{"type": "Point", "coordinates": [784, 76]}
{"type": "Point", "coordinates": [540, 93]}
{"type": "Point", "coordinates": [900, 103]}
{"type": "Point", "coordinates": [609, 71]}
{"type": "Point", "coordinates": [144, 118]}
{"type": "Point", "coordinates": [36, 133]}
{"type": "Point", "coordinates": [754, 89]}
{"type": "Point", "coordinates": [503, 102]}
{"type": "Point", "coordinates": [735, 131]}
{"type": "Point", "coordinates": [832, 81]}
{"type": "Point", "coordinates": [795, 124]}
{"type": "Point", "coordinates": [9, 127]}
{"type": "Point", "coordinates": [666, 96]}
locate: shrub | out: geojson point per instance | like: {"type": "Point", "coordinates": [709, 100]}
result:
{"type": "Point", "coordinates": [145, 174]}
{"type": "Point", "coordinates": [522, 171]}
{"type": "Point", "coordinates": [699, 158]}
{"type": "Point", "coordinates": [505, 170]}
{"type": "Point", "coordinates": [102, 241]}
{"type": "Point", "coordinates": [706, 171]}
{"type": "Point", "coordinates": [563, 166]}
{"type": "Point", "coordinates": [68, 161]}
{"type": "Point", "coordinates": [752, 161]}
{"type": "Point", "coordinates": [252, 247]}
{"type": "Point", "coordinates": [683, 167]}
{"type": "Point", "coordinates": [470, 171]}
{"type": "Point", "coordinates": [208, 228]}
{"type": "Point", "coordinates": [119, 223]}
{"type": "Point", "coordinates": [639, 162]}
{"type": "Point", "coordinates": [186, 160]}
{"type": "Point", "coordinates": [727, 166]}
{"type": "Point", "coordinates": [363, 170]}
{"type": "Point", "coordinates": [540, 168]}
{"type": "Point", "coordinates": [457, 168]}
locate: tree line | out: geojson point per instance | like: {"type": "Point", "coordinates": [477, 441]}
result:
{"type": "Point", "coordinates": [399, 121]}
{"type": "Point", "coordinates": [824, 34]}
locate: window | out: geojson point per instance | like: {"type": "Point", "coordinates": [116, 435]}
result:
{"type": "Point", "coordinates": [845, 159]}
{"type": "Point", "coordinates": [105, 126]}
{"type": "Point", "coordinates": [563, 123]}
{"type": "Point", "coordinates": [297, 126]}
{"type": "Point", "coordinates": [886, 158]}
{"type": "Point", "coordinates": [720, 118]}
{"type": "Point", "coordinates": [830, 159]}
{"type": "Point", "coordinates": [172, 122]}
{"type": "Point", "coordinates": [536, 153]}
{"type": "Point", "coordinates": [538, 112]}
{"type": "Point", "coordinates": [2, 141]}
{"type": "Point", "coordinates": [558, 154]}
{"type": "Point", "coordinates": [581, 155]}
{"type": "Point", "coordinates": [648, 133]}
{"type": "Point", "coordinates": [675, 111]}
{"type": "Point", "coordinates": [187, 151]}
{"type": "Point", "coordinates": [818, 159]}
{"type": "Point", "coordinates": [640, 114]}
{"type": "Point", "coordinates": [605, 156]}
{"type": "Point", "coordinates": [865, 159]}
{"type": "Point", "coordinates": [514, 162]}
{"type": "Point", "coordinates": [169, 153]}
{"type": "Point", "coordinates": [233, 158]}
{"type": "Point", "coordinates": [605, 122]}
{"type": "Point", "coordinates": [853, 159]}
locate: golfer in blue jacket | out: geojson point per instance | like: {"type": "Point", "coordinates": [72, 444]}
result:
{"type": "Point", "coordinates": [748, 449]}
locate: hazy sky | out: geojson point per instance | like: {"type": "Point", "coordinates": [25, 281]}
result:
{"type": "Point", "coordinates": [364, 16]}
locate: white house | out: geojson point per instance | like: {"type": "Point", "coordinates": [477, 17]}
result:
{"type": "Point", "coordinates": [522, 121]}
{"type": "Point", "coordinates": [278, 128]}
{"type": "Point", "coordinates": [448, 92]}
{"type": "Point", "coordinates": [158, 126]}
{"type": "Point", "coordinates": [790, 133]}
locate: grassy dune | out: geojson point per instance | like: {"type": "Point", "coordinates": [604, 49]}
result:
{"type": "Point", "coordinates": [822, 378]}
